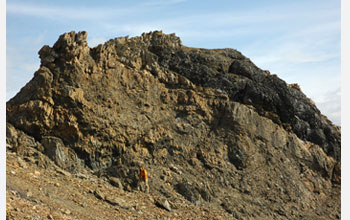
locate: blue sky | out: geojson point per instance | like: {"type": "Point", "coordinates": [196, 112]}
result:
{"type": "Point", "coordinates": [298, 40]}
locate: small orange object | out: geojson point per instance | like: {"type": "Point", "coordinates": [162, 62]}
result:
{"type": "Point", "coordinates": [143, 174]}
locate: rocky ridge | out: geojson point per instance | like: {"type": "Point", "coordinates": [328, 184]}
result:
{"type": "Point", "coordinates": [213, 129]}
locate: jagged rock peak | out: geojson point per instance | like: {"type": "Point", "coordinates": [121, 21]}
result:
{"type": "Point", "coordinates": [71, 39]}
{"type": "Point", "coordinates": [152, 38]}
{"type": "Point", "coordinates": [68, 46]}
{"type": "Point", "coordinates": [159, 38]}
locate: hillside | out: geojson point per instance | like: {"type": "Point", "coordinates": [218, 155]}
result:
{"type": "Point", "coordinates": [219, 137]}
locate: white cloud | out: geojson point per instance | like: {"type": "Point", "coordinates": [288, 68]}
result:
{"type": "Point", "coordinates": [330, 105]}
{"type": "Point", "coordinates": [94, 41]}
{"type": "Point", "coordinates": [292, 52]}
{"type": "Point", "coordinates": [20, 68]}
{"type": "Point", "coordinates": [162, 3]}
{"type": "Point", "coordinates": [315, 45]}
{"type": "Point", "coordinates": [304, 56]}
{"type": "Point", "coordinates": [67, 13]}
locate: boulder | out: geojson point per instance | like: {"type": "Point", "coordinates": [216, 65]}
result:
{"type": "Point", "coordinates": [163, 203]}
{"type": "Point", "coordinates": [63, 157]}
{"type": "Point", "coordinates": [189, 192]}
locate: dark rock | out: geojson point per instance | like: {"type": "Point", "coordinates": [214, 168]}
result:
{"type": "Point", "coordinates": [100, 194]}
{"type": "Point", "coordinates": [188, 191]}
{"type": "Point", "coordinates": [116, 182]}
{"type": "Point", "coordinates": [336, 177]}
{"type": "Point", "coordinates": [64, 157]}
{"type": "Point", "coordinates": [19, 140]}
{"type": "Point", "coordinates": [115, 201]}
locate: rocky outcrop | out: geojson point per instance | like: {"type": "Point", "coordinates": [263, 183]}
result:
{"type": "Point", "coordinates": [208, 125]}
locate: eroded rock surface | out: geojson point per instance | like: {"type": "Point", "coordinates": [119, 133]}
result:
{"type": "Point", "coordinates": [208, 125]}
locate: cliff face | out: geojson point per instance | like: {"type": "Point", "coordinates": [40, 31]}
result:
{"type": "Point", "coordinates": [209, 126]}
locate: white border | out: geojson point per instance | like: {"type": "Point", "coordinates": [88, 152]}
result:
{"type": "Point", "coordinates": [345, 56]}
{"type": "Point", "coordinates": [2, 109]}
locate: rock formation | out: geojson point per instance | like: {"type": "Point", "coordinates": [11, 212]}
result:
{"type": "Point", "coordinates": [209, 125]}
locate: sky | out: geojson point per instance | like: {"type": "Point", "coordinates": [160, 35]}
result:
{"type": "Point", "coordinates": [298, 40]}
